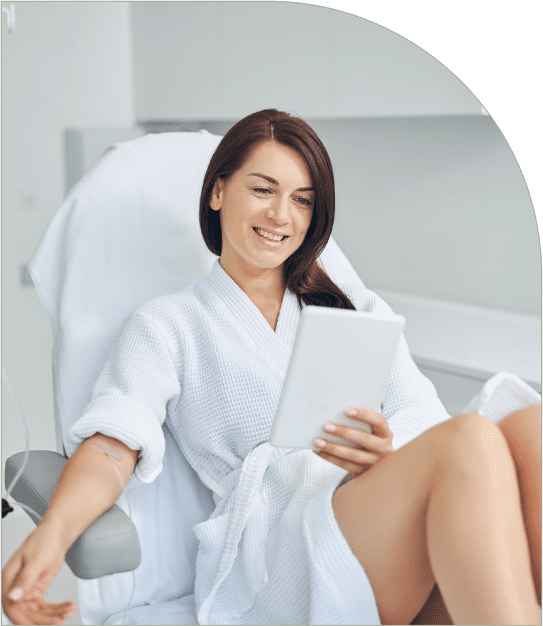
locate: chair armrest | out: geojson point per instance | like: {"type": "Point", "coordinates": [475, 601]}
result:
{"type": "Point", "coordinates": [109, 545]}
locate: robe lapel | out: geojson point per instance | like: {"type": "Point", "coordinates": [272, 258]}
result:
{"type": "Point", "coordinates": [253, 329]}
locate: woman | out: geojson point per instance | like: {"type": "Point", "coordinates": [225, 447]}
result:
{"type": "Point", "coordinates": [290, 540]}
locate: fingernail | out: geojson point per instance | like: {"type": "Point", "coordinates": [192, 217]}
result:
{"type": "Point", "coordinates": [69, 614]}
{"type": "Point", "coordinates": [329, 427]}
{"type": "Point", "coordinates": [319, 442]}
{"type": "Point", "coordinates": [350, 411]}
{"type": "Point", "coordinates": [16, 594]}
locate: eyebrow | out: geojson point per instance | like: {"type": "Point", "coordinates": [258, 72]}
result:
{"type": "Point", "coordinates": [274, 182]}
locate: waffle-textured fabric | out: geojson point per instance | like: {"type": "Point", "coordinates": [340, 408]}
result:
{"type": "Point", "coordinates": [207, 362]}
{"type": "Point", "coordinates": [502, 394]}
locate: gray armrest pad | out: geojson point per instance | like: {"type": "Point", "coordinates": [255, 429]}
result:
{"type": "Point", "coordinates": [108, 546]}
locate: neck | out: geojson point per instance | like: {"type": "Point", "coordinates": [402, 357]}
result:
{"type": "Point", "coordinates": [260, 285]}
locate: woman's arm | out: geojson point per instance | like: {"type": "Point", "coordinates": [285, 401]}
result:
{"type": "Point", "coordinates": [89, 485]}
{"type": "Point", "coordinates": [129, 400]}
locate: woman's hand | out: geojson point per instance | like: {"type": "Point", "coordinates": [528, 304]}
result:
{"type": "Point", "coordinates": [368, 449]}
{"type": "Point", "coordinates": [32, 569]}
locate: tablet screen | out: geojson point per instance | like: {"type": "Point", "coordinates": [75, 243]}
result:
{"type": "Point", "coordinates": [340, 358]}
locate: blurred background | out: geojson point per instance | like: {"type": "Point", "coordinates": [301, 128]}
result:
{"type": "Point", "coordinates": [432, 209]}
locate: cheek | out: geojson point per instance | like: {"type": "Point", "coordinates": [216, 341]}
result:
{"type": "Point", "coordinates": [231, 215]}
{"type": "Point", "coordinates": [242, 210]}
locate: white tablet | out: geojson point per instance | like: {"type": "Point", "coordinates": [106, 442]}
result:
{"type": "Point", "coordinates": [340, 358]}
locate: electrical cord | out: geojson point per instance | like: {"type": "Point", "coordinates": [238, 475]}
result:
{"type": "Point", "coordinates": [6, 508]}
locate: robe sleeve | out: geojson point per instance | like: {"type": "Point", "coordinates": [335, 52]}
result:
{"type": "Point", "coordinates": [131, 396]}
{"type": "Point", "coordinates": [411, 404]}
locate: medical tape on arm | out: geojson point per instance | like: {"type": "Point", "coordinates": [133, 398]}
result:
{"type": "Point", "coordinates": [112, 454]}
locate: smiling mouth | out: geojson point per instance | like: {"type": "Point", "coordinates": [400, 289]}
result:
{"type": "Point", "coordinates": [269, 238]}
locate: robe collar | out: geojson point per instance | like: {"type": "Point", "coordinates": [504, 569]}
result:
{"type": "Point", "coordinates": [259, 335]}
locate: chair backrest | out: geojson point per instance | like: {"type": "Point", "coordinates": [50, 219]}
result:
{"type": "Point", "coordinates": [127, 232]}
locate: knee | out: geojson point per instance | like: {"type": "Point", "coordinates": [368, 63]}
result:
{"type": "Point", "coordinates": [525, 421]}
{"type": "Point", "coordinates": [470, 442]}
{"type": "Point", "coordinates": [522, 430]}
{"type": "Point", "coordinates": [471, 424]}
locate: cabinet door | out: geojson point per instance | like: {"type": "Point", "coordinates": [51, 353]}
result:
{"type": "Point", "coordinates": [378, 73]}
{"type": "Point", "coordinates": [276, 55]}
{"type": "Point", "coordinates": [223, 60]}
{"type": "Point", "coordinates": [176, 60]}
{"type": "Point", "coordinates": [453, 389]}
{"type": "Point", "coordinates": [199, 61]}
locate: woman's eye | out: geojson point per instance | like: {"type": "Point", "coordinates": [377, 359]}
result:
{"type": "Point", "coordinates": [264, 191]}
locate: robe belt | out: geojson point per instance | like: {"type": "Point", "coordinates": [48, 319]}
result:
{"type": "Point", "coordinates": [225, 485]}
{"type": "Point", "coordinates": [245, 511]}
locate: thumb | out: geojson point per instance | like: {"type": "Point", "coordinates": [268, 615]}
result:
{"type": "Point", "coordinates": [27, 579]}
{"type": "Point", "coordinates": [9, 575]}
{"type": "Point", "coordinates": [16, 593]}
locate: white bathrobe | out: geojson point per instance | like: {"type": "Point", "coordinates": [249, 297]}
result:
{"type": "Point", "coordinates": [206, 361]}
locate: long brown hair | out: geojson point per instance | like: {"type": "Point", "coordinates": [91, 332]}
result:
{"type": "Point", "coordinates": [302, 274]}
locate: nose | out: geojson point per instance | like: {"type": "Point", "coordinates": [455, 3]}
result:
{"type": "Point", "coordinates": [278, 210]}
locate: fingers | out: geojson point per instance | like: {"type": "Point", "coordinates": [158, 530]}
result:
{"type": "Point", "coordinates": [24, 584]}
{"type": "Point", "coordinates": [348, 454]}
{"type": "Point", "coordinates": [353, 468]}
{"type": "Point", "coordinates": [359, 437]}
{"type": "Point", "coordinates": [368, 448]}
{"type": "Point", "coordinates": [60, 611]}
{"type": "Point", "coordinates": [378, 422]}
{"type": "Point", "coordinates": [36, 610]}
{"type": "Point", "coordinates": [9, 572]}
{"type": "Point", "coordinates": [19, 576]}
{"type": "Point", "coordinates": [27, 581]}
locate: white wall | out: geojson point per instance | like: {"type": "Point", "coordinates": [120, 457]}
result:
{"type": "Point", "coordinates": [66, 64]}
{"type": "Point", "coordinates": [437, 207]}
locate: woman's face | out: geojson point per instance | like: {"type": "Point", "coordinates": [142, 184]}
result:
{"type": "Point", "coordinates": [270, 195]}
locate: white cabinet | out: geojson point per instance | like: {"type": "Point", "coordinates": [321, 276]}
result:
{"type": "Point", "coordinates": [176, 60]}
{"type": "Point", "coordinates": [460, 346]}
{"type": "Point", "coordinates": [223, 60]}
{"type": "Point", "coordinates": [378, 73]}
{"type": "Point", "coordinates": [454, 389]}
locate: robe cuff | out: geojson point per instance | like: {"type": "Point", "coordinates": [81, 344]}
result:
{"type": "Point", "coordinates": [128, 421]}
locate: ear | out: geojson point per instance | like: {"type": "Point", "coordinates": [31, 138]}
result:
{"type": "Point", "coordinates": [215, 199]}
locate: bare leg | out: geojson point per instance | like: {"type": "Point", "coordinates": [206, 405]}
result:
{"type": "Point", "coordinates": [444, 508]}
{"type": "Point", "coordinates": [522, 430]}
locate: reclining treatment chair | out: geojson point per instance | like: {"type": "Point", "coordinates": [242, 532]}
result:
{"type": "Point", "coordinates": [128, 232]}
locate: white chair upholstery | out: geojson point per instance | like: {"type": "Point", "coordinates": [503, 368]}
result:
{"type": "Point", "coordinates": [128, 232]}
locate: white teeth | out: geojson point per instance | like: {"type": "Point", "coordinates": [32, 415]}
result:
{"type": "Point", "coordinates": [267, 235]}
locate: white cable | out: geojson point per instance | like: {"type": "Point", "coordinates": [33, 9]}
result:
{"type": "Point", "coordinates": [130, 515]}
{"type": "Point", "coordinates": [27, 445]}
{"type": "Point", "coordinates": [19, 473]}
